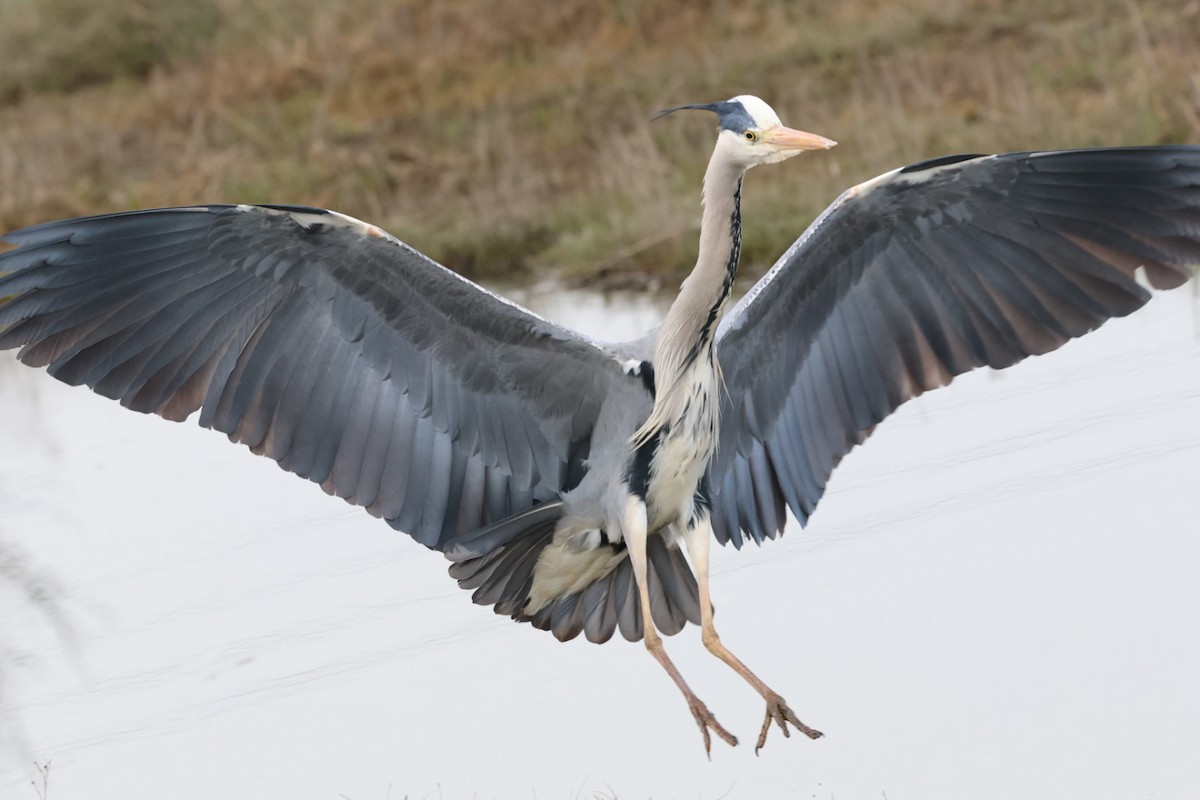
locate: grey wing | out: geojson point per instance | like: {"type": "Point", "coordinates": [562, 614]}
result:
{"type": "Point", "coordinates": [321, 342]}
{"type": "Point", "coordinates": [923, 274]}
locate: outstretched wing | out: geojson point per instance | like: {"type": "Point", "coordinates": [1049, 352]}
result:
{"type": "Point", "coordinates": [923, 274]}
{"type": "Point", "coordinates": [321, 342]}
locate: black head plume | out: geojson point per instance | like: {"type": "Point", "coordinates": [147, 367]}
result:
{"type": "Point", "coordinates": [731, 115]}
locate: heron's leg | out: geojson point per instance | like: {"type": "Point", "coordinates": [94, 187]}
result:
{"type": "Point", "coordinates": [635, 540]}
{"type": "Point", "coordinates": [698, 540]}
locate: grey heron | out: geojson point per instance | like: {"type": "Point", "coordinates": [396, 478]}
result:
{"type": "Point", "coordinates": [565, 477]}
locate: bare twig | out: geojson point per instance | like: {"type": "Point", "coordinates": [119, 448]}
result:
{"type": "Point", "coordinates": [43, 787]}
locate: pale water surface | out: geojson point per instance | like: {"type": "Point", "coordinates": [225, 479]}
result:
{"type": "Point", "coordinates": [998, 598]}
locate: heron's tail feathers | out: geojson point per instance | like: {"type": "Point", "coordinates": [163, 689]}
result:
{"type": "Point", "coordinates": [499, 563]}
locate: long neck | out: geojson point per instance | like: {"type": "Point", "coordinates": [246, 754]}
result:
{"type": "Point", "coordinates": [685, 341]}
{"type": "Point", "coordinates": [691, 323]}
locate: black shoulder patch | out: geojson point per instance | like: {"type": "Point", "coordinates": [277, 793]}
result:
{"type": "Point", "coordinates": [638, 476]}
{"type": "Point", "coordinates": [941, 161]}
{"type": "Point", "coordinates": [616, 546]}
{"type": "Point", "coordinates": [646, 373]}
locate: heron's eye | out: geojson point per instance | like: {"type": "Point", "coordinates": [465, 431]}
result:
{"type": "Point", "coordinates": [751, 136]}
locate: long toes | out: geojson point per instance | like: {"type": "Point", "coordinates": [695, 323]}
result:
{"type": "Point", "coordinates": [811, 733]}
{"type": "Point", "coordinates": [762, 734]}
{"type": "Point", "coordinates": [707, 722]}
{"type": "Point", "coordinates": [778, 711]}
{"type": "Point", "coordinates": [725, 735]}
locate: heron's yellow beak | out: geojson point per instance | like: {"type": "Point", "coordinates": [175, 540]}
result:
{"type": "Point", "coordinates": [791, 139]}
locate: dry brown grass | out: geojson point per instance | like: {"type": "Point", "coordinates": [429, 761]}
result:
{"type": "Point", "coordinates": [513, 135]}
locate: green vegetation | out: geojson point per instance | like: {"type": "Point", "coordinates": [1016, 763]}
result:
{"type": "Point", "coordinates": [513, 136]}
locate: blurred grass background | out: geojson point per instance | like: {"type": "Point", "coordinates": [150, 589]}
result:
{"type": "Point", "coordinates": [513, 136]}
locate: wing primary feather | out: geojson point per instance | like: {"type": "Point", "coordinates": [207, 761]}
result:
{"type": "Point", "coordinates": [66, 331]}
{"type": "Point", "coordinates": [194, 343]}
{"type": "Point", "coordinates": [110, 357]}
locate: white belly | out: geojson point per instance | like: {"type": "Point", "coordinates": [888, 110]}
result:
{"type": "Point", "coordinates": [682, 456]}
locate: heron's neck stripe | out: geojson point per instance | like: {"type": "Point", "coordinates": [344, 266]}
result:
{"type": "Point", "coordinates": [731, 268]}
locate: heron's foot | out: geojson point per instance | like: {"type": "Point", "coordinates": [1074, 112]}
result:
{"type": "Point", "coordinates": [706, 721]}
{"type": "Point", "coordinates": [777, 710]}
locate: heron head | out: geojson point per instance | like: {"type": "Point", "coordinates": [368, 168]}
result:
{"type": "Point", "coordinates": [750, 132]}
